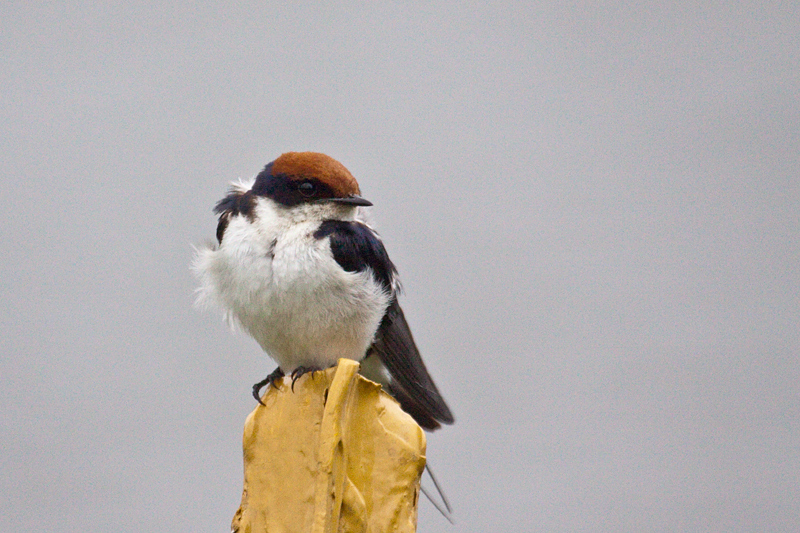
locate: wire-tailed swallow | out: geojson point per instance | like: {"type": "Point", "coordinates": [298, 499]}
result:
{"type": "Point", "coordinates": [300, 270]}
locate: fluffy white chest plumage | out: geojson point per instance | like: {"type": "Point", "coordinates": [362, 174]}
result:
{"type": "Point", "coordinates": [282, 284]}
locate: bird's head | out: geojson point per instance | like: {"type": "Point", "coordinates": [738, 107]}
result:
{"type": "Point", "coordinates": [297, 187]}
{"type": "Point", "coordinates": [311, 183]}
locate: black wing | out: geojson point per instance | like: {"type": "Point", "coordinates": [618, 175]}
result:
{"type": "Point", "coordinates": [236, 203]}
{"type": "Point", "coordinates": [411, 384]}
{"type": "Point", "coordinates": [356, 247]}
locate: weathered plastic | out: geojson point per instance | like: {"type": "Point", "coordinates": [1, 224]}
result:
{"type": "Point", "coordinates": [336, 455]}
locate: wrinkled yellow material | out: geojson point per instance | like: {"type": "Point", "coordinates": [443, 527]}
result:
{"type": "Point", "coordinates": [336, 455]}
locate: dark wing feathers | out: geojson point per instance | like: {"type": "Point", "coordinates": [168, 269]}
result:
{"type": "Point", "coordinates": [236, 203]}
{"type": "Point", "coordinates": [356, 247]}
{"type": "Point", "coordinates": [396, 348]}
{"type": "Point", "coordinates": [412, 407]}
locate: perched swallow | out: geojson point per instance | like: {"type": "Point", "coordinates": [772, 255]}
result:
{"type": "Point", "coordinates": [311, 282]}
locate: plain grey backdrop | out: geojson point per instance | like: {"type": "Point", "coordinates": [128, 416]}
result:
{"type": "Point", "coordinates": [594, 207]}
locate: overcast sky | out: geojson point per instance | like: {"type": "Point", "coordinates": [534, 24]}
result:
{"type": "Point", "coordinates": [594, 208]}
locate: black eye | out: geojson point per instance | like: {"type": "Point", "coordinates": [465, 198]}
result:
{"type": "Point", "coordinates": [307, 189]}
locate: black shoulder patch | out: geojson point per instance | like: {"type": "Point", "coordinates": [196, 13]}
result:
{"type": "Point", "coordinates": [236, 203]}
{"type": "Point", "coordinates": [356, 247]}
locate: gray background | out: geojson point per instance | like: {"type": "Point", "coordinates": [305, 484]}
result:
{"type": "Point", "coordinates": [595, 210]}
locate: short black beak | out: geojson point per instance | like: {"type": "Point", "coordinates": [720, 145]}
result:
{"type": "Point", "coordinates": [353, 199]}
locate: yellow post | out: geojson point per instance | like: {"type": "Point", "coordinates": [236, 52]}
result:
{"type": "Point", "coordinates": [336, 455]}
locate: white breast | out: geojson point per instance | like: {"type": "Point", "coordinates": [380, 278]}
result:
{"type": "Point", "coordinates": [287, 291]}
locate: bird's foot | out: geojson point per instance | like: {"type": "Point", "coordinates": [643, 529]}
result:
{"type": "Point", "coordinates": [300, 370]}
{"type": "Point", "coordinates": [269, 380]}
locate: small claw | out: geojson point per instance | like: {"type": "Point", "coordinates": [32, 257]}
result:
{"type": "Point", "coordinates": [300, 370]}
{"type": "Point", "coordinates": [257, 391]}
{"type": "Point", "coordinates": [295, 376]}
{"type": "Point", "coordinates": [269, 380]}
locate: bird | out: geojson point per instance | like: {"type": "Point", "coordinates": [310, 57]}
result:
{"type": "Point", "coordinates": [300, 270]}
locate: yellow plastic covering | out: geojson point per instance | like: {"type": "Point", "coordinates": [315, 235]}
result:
{"type": "Point", "coordinates": [336, 455]}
